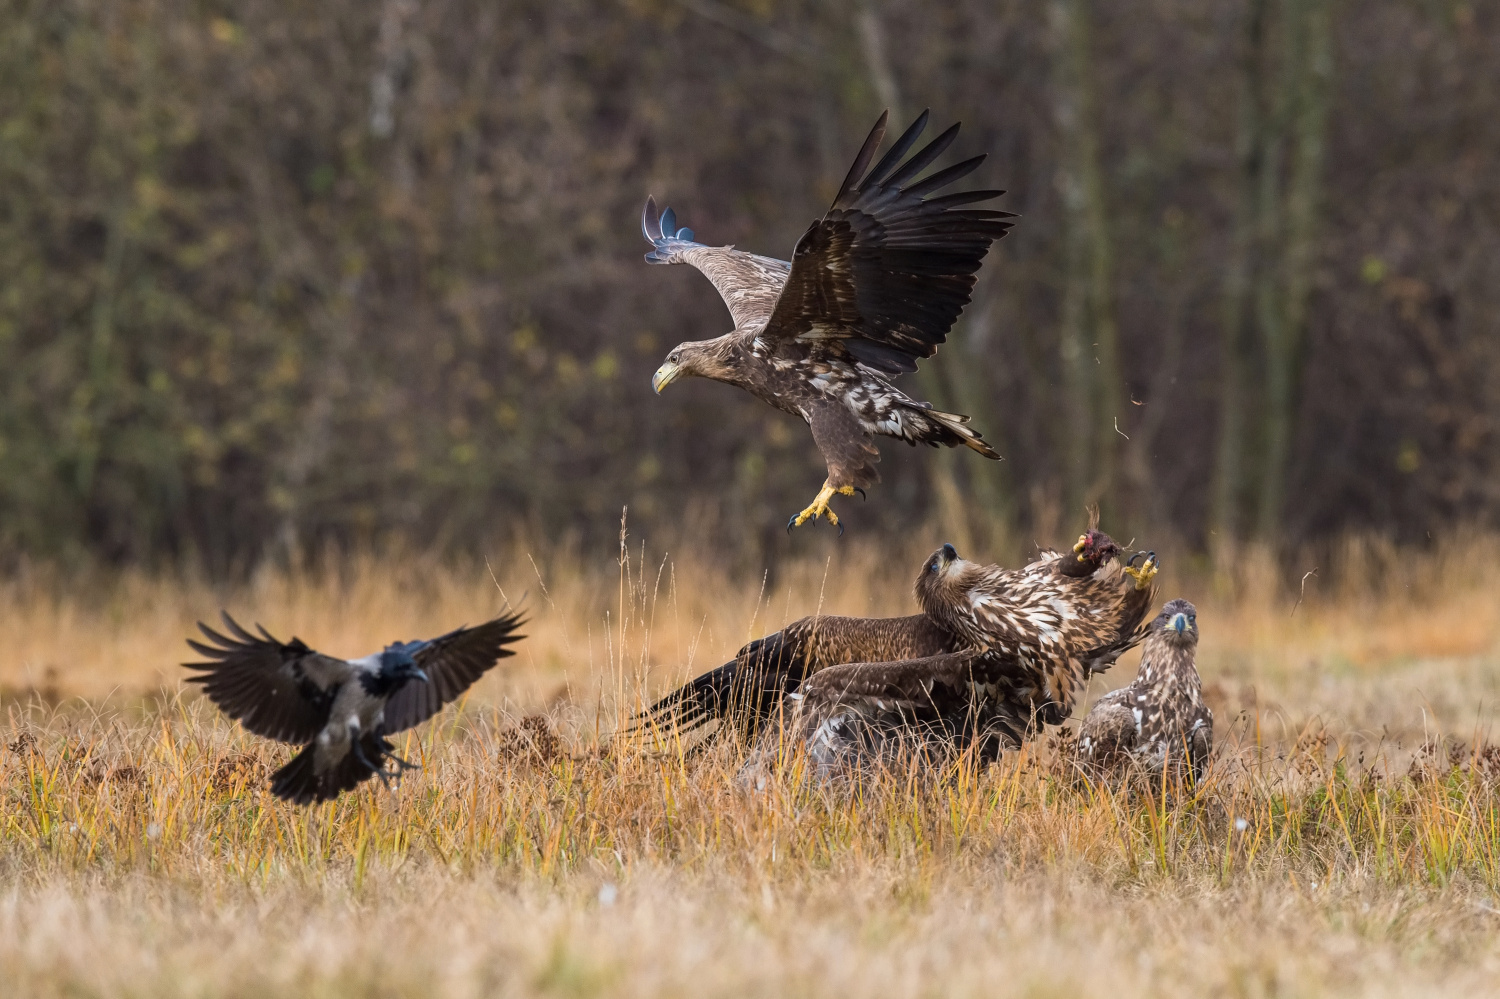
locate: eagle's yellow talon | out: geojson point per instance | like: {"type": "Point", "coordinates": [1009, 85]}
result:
{"type": "Point", "coordinates": [1083, 541]}
{"type": "Point", "coordinates": [819, 507]}
{"type": "Point", "coordinates": [1145, 573]}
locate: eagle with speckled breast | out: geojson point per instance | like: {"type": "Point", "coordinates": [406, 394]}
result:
{"type": "Point", "coordinates": [1159, 716]}
{"type": "Point", "coordinates": [872, 287]}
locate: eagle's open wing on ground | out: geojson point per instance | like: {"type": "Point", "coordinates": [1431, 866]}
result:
{"type": "Point", "coordinates": [279, 690]}
{"type": "Point", "coordinates": [452, 664]}
{"type": "Point", "coordinates": [887, 271]}
{"type": "Point", "coordinates": [747, 690]}
{"type": "Point", "coordinates": [965, 697]}
{"type": "Point", "coordinates": [748, 283]}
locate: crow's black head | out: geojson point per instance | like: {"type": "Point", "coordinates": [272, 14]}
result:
{"type": "Point", "coordinates": [399, 660]}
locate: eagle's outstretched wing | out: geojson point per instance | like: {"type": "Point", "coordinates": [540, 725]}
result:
{"type": "Point", "coordinates": [857, 710]}
{"type": "Point", "coordinates": [748, 282]}
{"type": "Point", "coordinates": [452, 663]}
{"type": "Point", "coordinates": [279, 690]}
{"type": "Point", "coordinates": [887, 271]}
{"type": "Point", "coordinates": [747, 690]}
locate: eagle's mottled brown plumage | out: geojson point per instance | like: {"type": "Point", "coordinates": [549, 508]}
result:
{"type": "Point", "coordinates": [1049, 628]}
{"type": "Point", "coordinates": [872, 287]}
{"type": "Point", "coordinates": [1160, 716]}
{"type": "Point", "coordinates": [747, 690]}
{"type": "Point", "coordinates": [1027, 640]}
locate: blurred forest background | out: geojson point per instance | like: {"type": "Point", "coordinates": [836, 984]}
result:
{"type": "Point", "coordinates": [276, 274]}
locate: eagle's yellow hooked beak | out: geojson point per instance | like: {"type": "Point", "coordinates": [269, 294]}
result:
{"type": "Point", "coordinates": [665, 375]}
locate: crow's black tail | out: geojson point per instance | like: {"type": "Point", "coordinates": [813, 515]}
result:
{"type": "Point", "coordinates": [301, 783]}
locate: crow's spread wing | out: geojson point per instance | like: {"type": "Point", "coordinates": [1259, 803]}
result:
{"type": "Point", "coordinates": [280, 690]}
{"type": "Point", "coordinates": [887, 271]}
{"type": "Point", "coordinates": [452, 664]}
{"type": "Point", "coordinates": [748, 283]}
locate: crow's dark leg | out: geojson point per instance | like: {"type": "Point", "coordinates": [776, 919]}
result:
{"type": "Point", "coordinates": [359, 754]}
{"type": "Point", "coordinates": [401, 765]}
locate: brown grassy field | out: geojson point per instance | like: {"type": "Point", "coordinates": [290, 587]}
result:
{"type": "Point", "coordinates": [1346, 842]}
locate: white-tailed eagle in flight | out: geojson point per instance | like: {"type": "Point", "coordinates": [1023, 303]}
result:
{"type": "Point", "coordinates": [872, 287]}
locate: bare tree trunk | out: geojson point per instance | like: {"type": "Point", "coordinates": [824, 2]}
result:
{"type": "Point", "coordinates": [1308, 45]}
{"type": "Point", "coordinates": [1236, 360]}
{"type": "Point", "coordinates": [1088, 338]}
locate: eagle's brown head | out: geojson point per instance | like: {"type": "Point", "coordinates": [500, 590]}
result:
{"type": "Point", "coordinates": [1177, 624]}
{"type": "Point", "coordinates": [944, 578]}
{"type": "Point", "coordinates": [1094, 548]}
{"type": "Point", "coordinates": [714, 359]}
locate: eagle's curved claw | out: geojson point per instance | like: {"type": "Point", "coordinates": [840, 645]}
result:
{"type": "Point", "coordinates": [819, 507]}
{"type": "Point", "coordinates": [1145, 573]}
{"type": "Point", "coordinates": [861, 494]}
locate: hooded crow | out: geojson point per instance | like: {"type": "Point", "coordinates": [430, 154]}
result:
{"type": "Point", "coordinates": [341, 710]}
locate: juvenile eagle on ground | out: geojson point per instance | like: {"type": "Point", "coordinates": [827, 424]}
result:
{"type": "Point", "coordinates": [1160, 716]}
{"type": "Point", "coordinates": [1000, 692]}
{"type": "Point", "coordinates": [872, 286]}
{"type": "Point", "coordinates": [341, 710]}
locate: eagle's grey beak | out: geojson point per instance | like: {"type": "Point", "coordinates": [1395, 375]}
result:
{"type": "Point", "coordinates": [422, 674]}
{"type": "Point", "coordinates": [1179, 623]}
{"type": "Point", "coordinates": [665, 375]}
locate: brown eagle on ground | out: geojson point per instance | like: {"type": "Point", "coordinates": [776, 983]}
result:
{"type": "Point", "coordinates": [748, 691]}
{"type": "Point", "coordinates": [1160, 716]}
{"type": "Point", "coordinates": [872, 286]}
{"type": "Point", "coordinates": [1051, 624]}
{"type": "Point", "coordinates": [1029, 639]}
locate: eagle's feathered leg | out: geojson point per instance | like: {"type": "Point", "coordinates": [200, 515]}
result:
{"type": "Point", "coordinates": [819, 506]}
{"type": "Point", "coordinates": [1145, 573]}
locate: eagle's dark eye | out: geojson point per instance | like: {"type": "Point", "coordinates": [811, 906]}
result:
{"type": "Point", "coordinates": [932, 566]}
{"type": "Point", "coordinates": [676, 357]}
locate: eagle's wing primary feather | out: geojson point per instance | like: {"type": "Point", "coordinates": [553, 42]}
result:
{"type": "Point", "coordinates": [748, 689]}
{"type": "Point", "coordinates": [887, 270]}
{"type": "Point", "coordinates": [910, 688]}
{"type": "Point", "coordinates": [452, 663]}
{"type": "Point", "coordinates": [279, 690]}
{"type": "Point", "coordinates": [748, 282]}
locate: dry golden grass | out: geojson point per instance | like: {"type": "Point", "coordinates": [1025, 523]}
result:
{"type": "Point", "coordinates": [1328, 853]}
